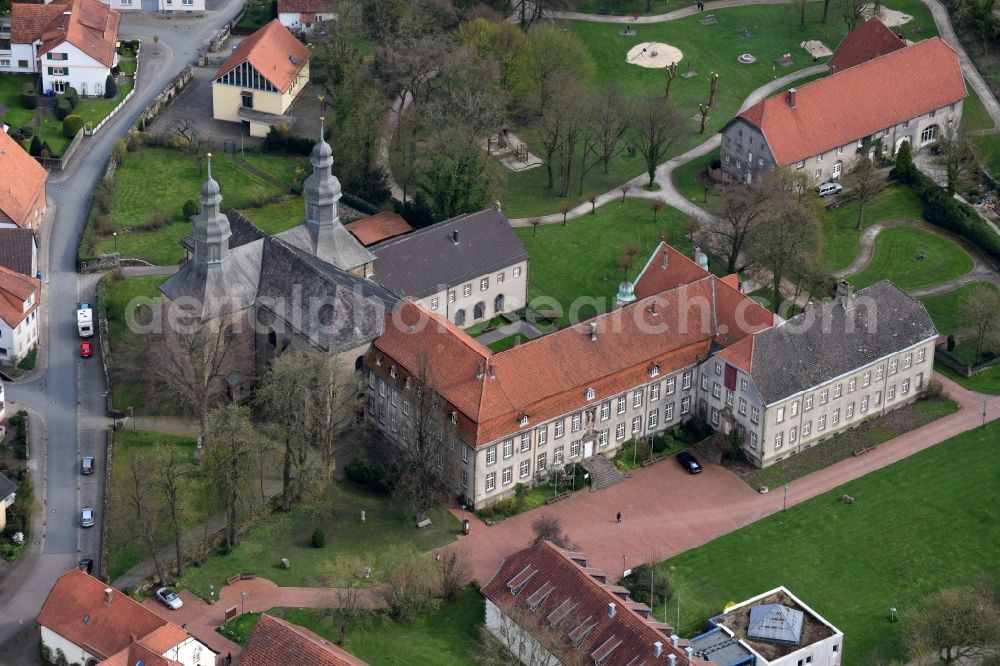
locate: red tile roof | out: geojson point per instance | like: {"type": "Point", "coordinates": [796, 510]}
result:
{"type": "Point", "coordinates": [740, 354]}
{"type": "Point", "coordinates": [840, 109]}
{"type": "Point", "coordinates": [164, 638]}
{"type": "Point", "coordinates": [15, 290]}
{"type": "Point", "coordinates": [271, 51]}
{"type": "Point", "coordinates": [307, 6]}
{"type": "Point", "coordinates": [90, 26]}
{"type": "Point", "coordinates": [869, 40]}
{"type": "Point", "coordinates": [22, 180]}
{"type": "Point", "coordinates": [378, 227]}
{"type": "Point", "coordinates": [28, 21]}
{"type": "Point", "coordinates": [137, 653]}
{"type": "Point", "coordinates": [667, 268]}
{"type": "Point", "coordinates": [75, 610]}
{"type": "Point", "coordinates": [274, 642]}
{"type": "Point", "coordinates": [551, 593]}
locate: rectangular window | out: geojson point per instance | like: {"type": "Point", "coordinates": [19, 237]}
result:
{"type": "Point", "coordinates": [381, 387]}
{"type": "Point", "coordinates": [878, 397]}
{"type": "Point", "coordinates": [879, 372]}
{"type": "Point", "coordinates": [451, 296]}
{"type": "Point", "coordinates": [715, 416]}
{"type": "Point", "coordinates": [371, 398]}
{"type": "Point", "coordinates": [840, 150]}
{"type": "Point", "coordinates": [807, 402]}
{"type": "Point", "coordinates": [622, 404]}
{"type": "Point", "coordinates": [892, 366]}
{"type": "Point", "coordinates": [837, 390]}
{"type": "Point", "coordinates": [574, 449]}
{"type": "Point", "coordinates": [406, 407]}
{"type": "Point", "coordinates": [671, 383]}
{"type": "Point", "coordinates": [851, 385]}
{"type": "Point", "coordinates": [795, 408]}
{"type": "Point", "coordinates": [743, 406]}
{"type": "Point", "coordinates": [524, 468]}
{"type": "Point", "coordinates": [606, 410]}
{"type": "Point", "coordinates": [560, 428]}
{"type": "Point", "coordinates": [835, 417]}
{"type": "Point", "coordinates": [890, 393]}
{"type": "Point", "coordinates": [491, 455]}
{"type": "Point", "coordinates": [806, 428]}
{"type": "Point", "coordinates": [819, 158]}
{"type": "Point", "coordinates": [508, 448]}
{"type": "Point", "coordinates": [754, 415]}
{"type": "Point", "coordinates": [508, 475]}
{"type": "Point", "coordinates": [920, 355]}
{"type": "Point", "coordinates": [753, 441]}
{"type": "Point", "coordinates": [686, 380]}
{"type": "Point", "coordinates": [637, 399]}
{"type": "Point", "coordinates": [525, 442]}
{"type": "Point", "coordinates": [716, 390]}
{"type": "Point", "coordinates": [543, 435]}
{"type": "Point", "coordinates": [743, 384]}
{"type": "Point", "coordinates": [500, 277]}
{"type": "Point", "coordinates": [704, 382]}
{"type": "Point", "coordinates": [491, 481]}
{"type": "Point", "coordinates": [654, 392]}
{"type": "Point", "coordinates": [465, 453]}
{"type": "Point", "coordinates": [866, 379]}
{"type": "Point", "coordinates": [668, 413]}
{"type": "Point", "coordinates": [864, 404]}
{"type": "Point", "coordinates": [653, 419]}
{"type": "Point", "coordinates": [730, 397]}
{"type": "Point", "coordinates": [577, 423]}
{"type": "Point", "coordinates": [620, 431]}
{"type": "Point", "coordinates": [557, 456]}
{"type": "Point", "coordinates": [801, 164]}
{"type": "Point", "coordinates": [849, 411]}
{"type": "Point", "coordinates": [906, 386]}
{"type": "Point", "coordinates": [907, 361]}
{"type": "Point", "coordinates": [484, 284]}
{"type": "Point", "coordinates": [821, 423]}
{"type": "Point", "coordinates": [434, 303]}
{"type": "Point", "coordinates": [685, 405]}
{"type": "Point", "coordinates": [516, 272]}
{"type": "Point", "coordinates": [824, 396]}
{"type": "Point", "coordinates": [395, 397]}
{"type": "Point", "coordinates": [636, 425]}
{"type": "Point", "coordinates": [780, 415]}
{"type": "Point", "coordinates": [778, 437]}
{"type": "Point", "coordinates": [467, 290]}
{"type": "Point", "coordinates": [465, 479]}
{"type": "Point", "coordinates": [541, 464]}
{"type": "Point", "coordinates": [602, 438]}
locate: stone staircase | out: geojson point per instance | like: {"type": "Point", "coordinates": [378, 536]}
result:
{"type": "Point", "coordinates": [603, 472]}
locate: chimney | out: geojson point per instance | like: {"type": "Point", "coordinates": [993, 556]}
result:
{"type": "Point", "coordinates": [666, 257]}
{"type": "Point", "coordinates": [791, 97]}
{"type": "Point", "coordinates": [673, 639]}
{"type": "Point", "coordinates": [845, 294]}
{"type": "Point", "coordinates": [479, 370]}
{"type": "Point", "coordinates": [611, 609]}
{"type": "Point", "coordinates": [657, 649]}
{"type": "Point", "coordinates": [489, 371]}
{"type": "Point", "coordinates": [671, 660]}
{"type": "Point", "coordinates": [689, 651]}
{"type": "Point", "coordinates": [107, 596]}
{"type": "Point", "coordinates": [593, 331]}
{"type": "Point", "coordinates": [454, 236]}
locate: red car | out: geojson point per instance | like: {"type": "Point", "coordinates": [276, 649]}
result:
{"type": "Point", "coordinates": [86, 350]}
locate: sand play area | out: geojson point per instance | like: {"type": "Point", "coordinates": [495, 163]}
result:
{"type": "Point", "coordinates": [816, 48]}
{"type": "Point", "coordinates": [890, 17]}
{"type": "Point", "coordinates": [655, 55]}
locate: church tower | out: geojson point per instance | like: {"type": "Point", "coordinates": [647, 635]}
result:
{"type": "Point", "coordinates": [321, 189]}
{"type": "Point", "coordinates": [210, 228]}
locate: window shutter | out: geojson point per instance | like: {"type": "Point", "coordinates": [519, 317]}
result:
{"type": "Point", "coordinates": [48, 55]}
{"type": "Point", "coordinates": [50, 71]}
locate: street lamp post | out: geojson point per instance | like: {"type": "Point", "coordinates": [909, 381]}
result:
{"type": "Point", "coordinates": [624, 561]}
{"type": "Point", "coordinates": [115, 235]}
{"type": "Point", "coordinates": [243, 597]}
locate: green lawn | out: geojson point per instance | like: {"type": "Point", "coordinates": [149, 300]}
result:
{"type": "Point", "coordinates": [974, 115]}
{"type": "Point", "coordinates": [10, 97]}
{"type": "Point", "coordinates": [449, 637]}
{"type": "Point", "coordinates": [896, 258]}
{"type": "Point", "coordinates": [706, 49]}
{"type": "Point", "coordinates": [507, 343]}
{"type": "Point", "coordinates": [915, 527]}
{"type": "Point", "coordinates": [124, 547]}
{"type": "Point", "coordinates": [987, 381]}
{"type": "Point", "coordinates": [160, 247]}
{"type": "Point", "coordinates": [281, 167]}
{"type": "Point", "coordinates": [989, 150]}
{"type": "Point", "coordinates": [579, 261]}
{"type": "Point", "coordinates": [349, 542]}
{"type": "Point", "coordinates": [127, 67]}
{"type": "Point", "coordinates": [630, 6]}
{"type": "Point", "coordinates": [687, 179]}
{"type": "Point", "coordinates": [943, 308]}
{"type": "Point", "coordinates": [277, 216]}
{"type": "Point", "coordinates": [258, 14]}
{"type": "Point", "coordinates": [839, 225]}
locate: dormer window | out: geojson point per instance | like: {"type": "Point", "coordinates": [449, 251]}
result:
{"type": "Point", "coordinates": [654, 370]}
{"type": "Point", "coordinates": [522, 419]}
{"type": "Point", "coordinates": [378, 361]}
{"type": "Point", "coordinates": [454, 418]}
{"type": "Point", "coordinates": [409, 383]}
{"type": "Point", "coordinates": [392, 372]}
{"type": "Point", "coordinates": [591, 393]}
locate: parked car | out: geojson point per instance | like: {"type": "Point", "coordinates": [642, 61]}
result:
{"type": "Point", "coordinates": [87, 465]}
{"type": "Point", "coordinates": [86, 565]}
{"type": "Point", "coordinates": [826, 189]}
{"type": "Point", "coordinates": [688, 462]}
{"type": "Point", "coordinates": [87, 516]}
{"type": "Point", "coordinates": [86, 350]}
{"type": "Point", "coordinates": [169, 598]}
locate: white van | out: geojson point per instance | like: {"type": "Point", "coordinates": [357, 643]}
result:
{"type": "Point", "coordinates": [826, 189]}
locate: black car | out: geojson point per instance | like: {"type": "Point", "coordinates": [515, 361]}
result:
{"type": "Point", "coordinates": [87, 565]}
{"type": "Point", "coordinates": [87, 465]}
{"type": "Point", "coordinates": [688, 462]}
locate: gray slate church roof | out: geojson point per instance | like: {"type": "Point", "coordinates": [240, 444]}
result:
{"type": "Point", "coordinates": [16, 249]}
{"type": "Point", "coordinates": [7, 487]}
{"type": "Point", "coordinates": [794, 357]}
{"type": "Point", "coordinates": [422, 262]}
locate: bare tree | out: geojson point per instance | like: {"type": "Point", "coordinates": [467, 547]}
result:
{"type": "Point", "coordinates": [555, 55]}
{"type": "Point", "coordinates": [713, 87]}
{"type": "Point", "coordinates": [171, 469]}
{"type": "Point", "coordinates": [703, 113]}
{"type": "Point", "coordinates": [955, 625]}
{"type": "Point", "coordinates": [548, 527]}
{"type": "Point", "coordinates": [408, 589]}
{"type": "Point", "coordinates": [957, 153]}
{"type": "Point", "coordinates": [657, 128]}
{"type": "Point", "coordinates": [742, 207]}
{"type": "Point", "coordinates": [980, 312]}
{"type": "Point", "coordinates": [864, 183]}
{"type": "Point", "coordinates": [784, 243]}
{"type": "Point", "coordinates": [534, 222]}
{"type": "Point", "coordinates": [230, 461]}
{"type": "Point", "coordinates": [656, 205]}
{"type": "Point", "coordinates": [671, 75]}
{"type": "Point", "coordinates": [453, 573]}
{"type": "Point", "coordinates": [562, 122]}
{"type": "Point", "coordinates": [610, 118]}
{"type": "Point", "coordinates": [145, 510]}
{"type": "Point", "coordinates": [852, 11]}
{"type": "Point", "coordinates": [564, 209]}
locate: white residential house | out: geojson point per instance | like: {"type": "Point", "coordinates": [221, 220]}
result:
{"type": "Point", "coordinates": [306, 15]}
{"type": "Point", "coordinates": [8, 493]}
{"type": "Point", "coordinates": [19, 303]}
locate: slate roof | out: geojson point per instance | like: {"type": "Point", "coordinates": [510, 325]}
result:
{"type": "Point", "coordinates": [330, 242]}
{"type": "Point", "coordinates": [798, 355]}
{"type": "Point", "coordinates": [307, 6]}
{"type": "Point", "coordinates": [221, 288]}
{"type": "Point", "coordinates": [17, 246]}
{"type": "Point", "coordinates": [553, 594]}
{"type": "Point", "coordinates": [7, 487]}
{"type": "Point", "coordinates": [840, 109]}
{"type": "Point", "coordinates": [422, 262]}
{"type": "Point", "coordinates": [869, 40]}
{"type": "Point", "coordinates": [270, 51]}
{"type": "Point", "coordinates": [22, 179]}
{"type": "Point", "coordinates": [378, 227]}
{"type": "Point", "coordinates": [276, 642]}
{"type": "Point", "coordinates": [90, 26]}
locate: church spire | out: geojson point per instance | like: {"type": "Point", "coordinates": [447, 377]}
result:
{"type": "Point", "coordinates": [210, 228]}
{"type": "Point", "coordinates": [321, 189]}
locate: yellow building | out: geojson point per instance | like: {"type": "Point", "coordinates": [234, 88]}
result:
{"type": "Point", "coordinates": [261, 79]}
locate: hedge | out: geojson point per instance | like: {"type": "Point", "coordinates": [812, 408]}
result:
{"type": "Point", "coordinates": [29, 99]}
{"type": "Point", "coordinates": [73, 97]}
{"type": "Point", "coordinates": [71, 125]}
{"type": "Point", "coordinates": [947, 212]}
{"type": "Point", "coordinates": [63, 108]}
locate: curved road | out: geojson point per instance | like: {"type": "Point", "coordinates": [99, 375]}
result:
{"type": "Point", "coordinates": [66, 391]}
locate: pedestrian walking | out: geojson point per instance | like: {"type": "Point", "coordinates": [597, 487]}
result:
{"type": "Point", "coordinates": [618, 518]}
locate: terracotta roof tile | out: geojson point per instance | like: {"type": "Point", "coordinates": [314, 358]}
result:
{"type": "Point", "coordinates": [557, 598]}
{"type": "Point", "coordinates": [307, 6]}
{"type": "Point", "coordinates": [137, 653]}
{"type": "Point", "coordinates": [15, 289]}
{"type": "Point", "coordinates": [733, 280]}
{"type": "Point", "coordinates": [23, 180]}
{"type": "Point", "coordinates": [28, 21]}
{"type": "Point", "coordinates": [740, 354]}
{"type": "Point", "coordinates": [276, 642]}
{"type": "Point", "coordinates": [162, 639]}
{"type": "Point", "coordinates": [869, 40]}
{"type": "Point", "coordinates": [840, 109]}
{"type": "Point", "coordinates": [91, 26]}
{"type": "Point", "coordinates": [274, 52]}
{"type": "Point", "coordinates": [666, 269]}
{"type": "Point", "coordinates": [75, 610]}
{"type": "Point", "coordinates": [378, 227]}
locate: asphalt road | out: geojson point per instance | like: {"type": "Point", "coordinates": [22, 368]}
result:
{"type": "Point", "coordinates": [68, 395]}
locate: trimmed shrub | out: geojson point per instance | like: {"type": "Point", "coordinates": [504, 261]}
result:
{"type": "Point", "coordinates": [947, 212]}
{"type": "Point", "coordinates": [35, 149]}
{"type": "Point", "coordinates": [29, 98]}
{"type": "Point", "coordinates": [73, 97]}
{"type": "Point", "coordinates": [63, 108]}
{"type": "Point", "coordinates": [104, 225]}
{"type": "Point", "coordinates": [951, 342]}
{"type": "Point", "coordinates": [191, 208]}
{"type": "Point", "coordinates": [363, 472]}
{"type": "Point", "coordinates": [281, 140]}
{"type": "Point", "coordinates": [318, 538]}
{"type": "Point", "coordinates": [110, 87]}
{"type": "Point", "coordinates": [71, 125]}
{"type": "Point", "coordinates": [23, 133]}
{"type": "Point", "coordinates": [46, 150]}
{"type": "Point", "coordinates": [157, 221]}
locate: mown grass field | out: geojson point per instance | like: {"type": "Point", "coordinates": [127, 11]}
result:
{"type": "Point", "coordinates": [944, 308]}
{"type": "Point", "coordinates": [896, 257]}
